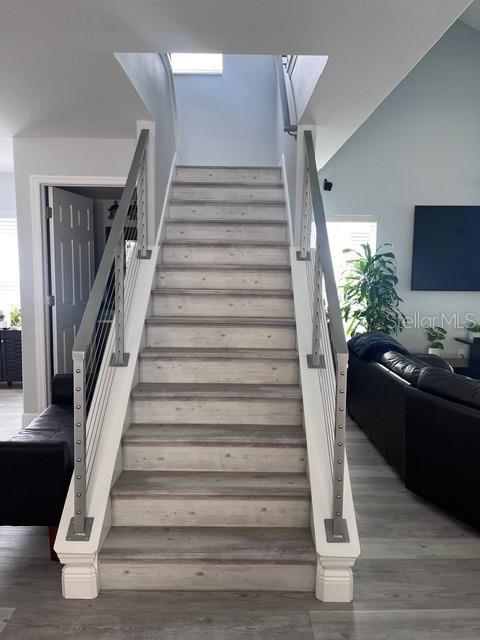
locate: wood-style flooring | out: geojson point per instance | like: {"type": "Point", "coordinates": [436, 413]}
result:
{"type": "Point", "coordinates": [418, 579]}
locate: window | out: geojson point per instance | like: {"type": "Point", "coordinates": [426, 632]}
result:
{"type": "Point", "coordinates": [199, 63]}
{"type": "Point", "coordinates": [349, 233]}
{"type": "Point", "coordinates": [9, 278]}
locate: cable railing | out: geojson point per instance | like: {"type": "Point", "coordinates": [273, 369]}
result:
{"type": "Point", "coordinates": [100, 341]}
{"type": "Point", "coordinates": [329, 352]}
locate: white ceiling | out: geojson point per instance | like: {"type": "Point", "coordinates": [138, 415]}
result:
{"type": "Point", "coordinates": [472, 15]}
{"type": "Point", "coordinates": [58, 76]}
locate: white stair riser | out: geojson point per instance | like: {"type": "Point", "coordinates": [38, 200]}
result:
{"type": "Point", "coordinates": [213, 411]}
{"type": "Point", "coordinates": [223, 279]}
{"type": "Point", "coordinates": [229, 175]}
{"type": "Point", "coordinates": [213, 576]}
{"type": "Point", "coordinates": [212, 255]}
{"type": "Point", "coordinates": [227, 212]}
{"type": "Point", "coordinates": [231, 371]}
{"type": "Point", "coordinates": [222, 305]}
{"type": "Point", "coordinates": [213, 458]}
{"type": "Point", "coordinates": [228, 193]}
{"type": "Point", "coordinates": [222, 336]}
{"type": "Point", "coordinates": [210, 512]}
{"type": "Point", "coordinates": [229, 233]}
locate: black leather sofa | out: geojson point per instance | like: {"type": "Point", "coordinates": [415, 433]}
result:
{"type": "Point", "coordinates": [423, 418]}
{"type": "Point", "coordinates": [36, 464]}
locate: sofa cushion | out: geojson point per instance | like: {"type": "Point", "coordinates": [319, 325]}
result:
{"type": "Point", "coordinates": [62, 389]}
{"type": "Point", "coordinates": [368, 346]}
{"type": "Point", "coordinates": [450, 386]}
{"type": "Point", "coordinates": [407, 368]}
{"type": "Point", "coordinates": [55, 424]}
{"type": "Point", "coordinates": [434, 361]}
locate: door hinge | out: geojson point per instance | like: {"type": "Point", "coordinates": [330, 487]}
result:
{"type": "Point", "coordinates": [49, 213]}
{"type": "Point", "coordinates": [51, 301]}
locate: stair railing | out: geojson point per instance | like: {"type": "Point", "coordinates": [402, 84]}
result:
{"type": "Point", "coordinates": [329, 352]}
{"type": "Point", "coordinates": [99, 345]}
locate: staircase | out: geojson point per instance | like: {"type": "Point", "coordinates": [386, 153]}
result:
{"type": "Point", "coordinates": [213, 492]}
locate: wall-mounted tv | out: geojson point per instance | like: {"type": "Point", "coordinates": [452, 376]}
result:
{"type": "Point", "coordinates": [446, 248]}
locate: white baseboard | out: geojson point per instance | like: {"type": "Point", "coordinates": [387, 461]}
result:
{"type": "Point", "coordinates": [166, 198]}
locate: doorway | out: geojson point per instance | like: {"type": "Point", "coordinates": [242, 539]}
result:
{"type": "Point", "coordinates": [77, 223]}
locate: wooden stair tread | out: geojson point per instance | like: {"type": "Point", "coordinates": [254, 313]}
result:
{"type": "Point", "coordinates": [228, 185]}
{"type": "Point", "coordinates": [223, 544]}
{"type": "Point", "coordinates": [229, 203]}
{"type": "Point", "coordinates": [231, 167]}
{"type": "Point", "coordinates": [220, 320]}
{"type": "Point", "coordinates": [254, 293]}
{"type": "Point", "coordinates": [185, 266]}
{"type": "Point", "coordinates": [223, 243]}
{"type": "Point", "coordinates": [210, 484]}
{"type": "Point", "coordinates": [215, 435]}
{"type": "Point", "coordinates": [154, 390]}
{"type": "Point", "coordinates": [202, 353]}
{"type": "Point", "coordinates": [253, 222]}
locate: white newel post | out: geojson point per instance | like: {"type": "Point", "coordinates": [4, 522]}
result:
{"type": "Point", "coordinates": [79, 575]}
{"type": "Point", "coordinates": [334, 581]}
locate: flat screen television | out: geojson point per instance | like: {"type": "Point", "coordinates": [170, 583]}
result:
{"type": "Point", "coordinates": [446, 248]}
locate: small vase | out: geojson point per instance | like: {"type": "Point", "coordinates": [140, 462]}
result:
{"type": "Point", "coordinates": [434, 352]}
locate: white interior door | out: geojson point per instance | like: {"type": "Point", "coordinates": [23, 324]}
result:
{"type": "Point", "coordinates": [72, 269]}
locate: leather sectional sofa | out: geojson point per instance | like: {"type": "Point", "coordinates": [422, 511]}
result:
{"type": "Point", "coordinates": [423, 418]}
{"type": "Point", "coordinates": [36, 464]}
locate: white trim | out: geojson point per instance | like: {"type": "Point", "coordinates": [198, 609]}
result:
{"type": "Point", "coordinates": [173, 97]}
{"type": "Point", "coordinates": [167, 197]}
{"type": "Point", "coordinates": [37, 182]}
{"type": "Point", "coordinates": [283, 165]}
{"type": "Point", "coordinates": [80, 576]}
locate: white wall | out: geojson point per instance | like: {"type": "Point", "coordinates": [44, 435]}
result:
{"type": "Point", "coordinates": [52, 156]}
{"type": "Point", "coordinates": [229, 119]}
{"type": "Point", "coordinates": [150, 78]}
{"type": "Point", "coordinates": [7, 195]}
{"type": "Point", "coordinates": [421, 146]}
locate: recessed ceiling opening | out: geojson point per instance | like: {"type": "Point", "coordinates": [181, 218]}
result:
{"type": "Point", "coordinates": [197, 63]}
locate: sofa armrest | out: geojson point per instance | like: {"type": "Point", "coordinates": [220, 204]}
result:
{"type": "Point", "coordinates": [34, 479]}
{"type": "Point", "coordinates": [442, 453]}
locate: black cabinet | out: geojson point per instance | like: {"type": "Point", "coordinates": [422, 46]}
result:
{"type": "Point", "coordinates": [10, 355]}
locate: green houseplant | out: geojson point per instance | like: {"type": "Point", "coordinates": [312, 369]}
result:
{"type": "Point", "coordinates": [370, 299]}
{"type": "Point", "coordinates": [473, 330]}
{"type": "Point", "coordinates": [435, 339]}
{"type": "Point", "coordinates": [16, 317]}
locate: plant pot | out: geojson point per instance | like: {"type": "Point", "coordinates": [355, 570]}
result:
{"type": "Point", "coordinates": [435, 352]}
{"type": "Point", "coordinates": [474, 335]}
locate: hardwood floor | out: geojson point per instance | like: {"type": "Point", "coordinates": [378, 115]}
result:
{"type": "Point", "coordinates": [11, 407]}
{"type": "Point", "coordinates": [418, 578]}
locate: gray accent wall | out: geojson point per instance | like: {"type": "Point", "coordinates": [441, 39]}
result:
{"type": "Point", "coordinates": [229, 119]}
{"type": "Point", "coordinates": [421, 146]}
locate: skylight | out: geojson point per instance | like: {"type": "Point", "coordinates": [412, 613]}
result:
{"type": "Point", "coordinates": [201, 63]}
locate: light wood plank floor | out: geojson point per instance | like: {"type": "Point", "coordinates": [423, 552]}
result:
{"type": "Point", "coordinates": [11, 408]}
{"type": "Point", "coordinates": [418, 579]}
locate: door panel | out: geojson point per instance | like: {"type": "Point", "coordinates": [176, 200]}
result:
{"type": "Point", "coordinates": [72, 269]}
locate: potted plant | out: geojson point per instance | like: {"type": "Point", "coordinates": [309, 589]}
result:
{"type": "Point", "coordinates": [370, 300]}
{"type": "Point", "coordinates": [473, 330]}
{"type": "Point", "coordinates": [435, 339]}
{"type": "Point", "coordinates": [15, 318]}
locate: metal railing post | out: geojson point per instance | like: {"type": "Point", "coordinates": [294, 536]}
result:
{"type": "Point", "coordinates": [80, 526]}
{"type": "Point", "coordinates": [306, 231]}
{"type": "Point", "coordinates": [316, 360]}
{"type": "Point", "coordinates": [336, 527]}
{"type": "Point", "coordinates": [119, 357]}
{"type": "Point", "coordinates": [143, 253]}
